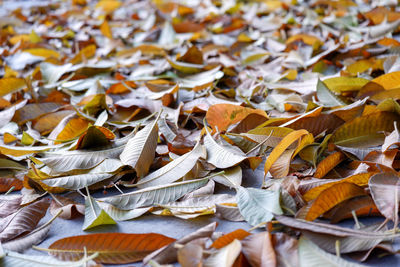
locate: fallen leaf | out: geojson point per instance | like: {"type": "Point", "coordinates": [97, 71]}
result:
{"type": "Point", "coordinates": [332, 196]}
{"type": "Point", "coordinates": [123, 248]}
{"type": "Point", "coordinates": [225, 240]}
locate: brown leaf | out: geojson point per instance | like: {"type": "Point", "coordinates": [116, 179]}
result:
{"type": "Point", "coordinates": [362, 206]}
{"type": "Point", "coordinates": [7, 183]}
{"type": "Point", "coordinates": [191, 255]}
{"type": "Point", "coordinates": [70, 209]}
{"type": "Point", "coordinates": [9, 205]}
{"type": "Point", "coordinates": [285, 250]}
{"type": "Point", "coordinates": [23, 220]}
{"type": "Point", "coordinates": [385, 190]}
{"type": "Point", "coordinates": [168, 254]}
{"type": "Point", "coordinates": [259, 250]}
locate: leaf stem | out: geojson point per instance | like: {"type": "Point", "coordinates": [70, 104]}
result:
{"type": "Point", "coordinates": [47, 223]}
{"type": "Point", "coordinates": [356, 219]}
{"type": "Point", "coordinates": [260, 144]}
{"type": "Point", "coordinates": [337, 248]}
{"type": "Point", "coordinates": [56, 200]}
{"type": "Point", "coordinates": [90, 202]}
{"type": "Point", "coordinates": [10, 190]}
{"type": "Point", "coordinates": [256, 226]}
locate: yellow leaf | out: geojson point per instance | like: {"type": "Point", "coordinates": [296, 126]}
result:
{"type": "Point", "coordinates": [383, 95]}
{"type": "Point", "coordinates": [291, 74]}
{"type": "Point", "coordinates": [281, 147]}
{"type": "Point", "coordinates": [86, 53]}
{"type": "Point", "coordinates": [9, 72]}
{"type": "Point", "coordinates": [34, 38]}
{"type": "Point", "coordinates": [43, 52]}
{"type": "Point", "coordinates": [26, 139]}
{"type": "Point", "coordinates": [389, 80]}
{"type": "Point", "coordinates": [108, 6]}
{"type": "Point", "coordinates": [20, 38]}
{"type": "Point", "coordinates": [332, 196]}
{"type": "Point", "coordinates": [311, 40]}
{"type": "Point", "coordinates": [343, 84]}
{"type": "Point", "coordinates": [365, 130]}
{"type": "Point", "coordinates": [11, 85]}
{"type": "Point", "coordinates": [185, 67]}
{"type": "Point", "coordinates": [106, 30]}
{"type": "Point", "coordinates": [145, 49]}
{"type": "Point", "coordinates": [364, 65]}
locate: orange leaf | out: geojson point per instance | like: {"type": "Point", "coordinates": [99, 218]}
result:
{"type": "Point", "coordinates": [225, 240]}
{"type": "Point", "coordinates": [121, 88]}
{"type": "Point", "coordinates": [74, 128]}
{"type": "Point", "coordinates": [360, 179]}
{"type": "Point", "coordinates": [187, 26]}
{"type": "Point", "coordinates": [328, 163]}
{"type": "Point", "coordinates": [48, 122]}
{"type": "Point", "coordinates": [113, 248]}
{"type": "Point", "coordinates": [7, 183]}
{"type": "Point", "coordinates": [378, 15]}
{"type": "Point", "coordinates": [281, 147]}
{"type": "Point", "coordinates": [332, 196]}
{"type": "Point", "coordinates": [222, 115]}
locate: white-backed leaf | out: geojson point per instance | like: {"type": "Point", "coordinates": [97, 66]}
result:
{"type": "Point", "coordinates": [258, 205]}
{"type": "Point", "coordinates": [154, 195]}
{"type": "Point", "coordinates": [312, 256]}
{"type": "Point", "coordinates": [174, 170]}
{"type": "Point", "coordinates": [122, 215]}
{"type": "Point", "coordinates": [22, 221]}
{"type": "Point", "coordinates": [95, 215]}
{"type": "Point", "coordinates": [327, 97]}
{"type": "Point", "coordinates": [225, 257]}
{"type": "Point", "coordinates": [101, 172]}
{"type": "Point", "coordinates": [140, 150]}
{"type": "Point", "coordinates": [392, 139]}
{"type": "Point", "coordinates": [51, 73]}
{"type": "Point", "coordinates": [166, 131]}
{"type": "Point", "coordinates": [79, 160]}
{"type": "Point", "coordinates": [198, 204]}
{"type": "Point", "coordinates": [229, 213]}
{"type": "Point", "coordinates": [231, 177]}
{"type": "Point", "coordinates": [222, 156]}
{"type": "Point", "coordinates": [346, 244]}
{"type": "Point", "coordinates": [14, 259]}
{"type": "Point", "coordinates": [385, 191]}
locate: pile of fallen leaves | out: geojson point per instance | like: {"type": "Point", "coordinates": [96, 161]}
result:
{"type": "Point", "coordinates": [158, 103]}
